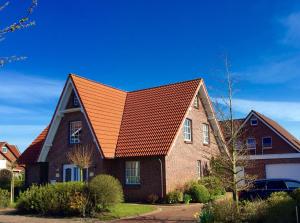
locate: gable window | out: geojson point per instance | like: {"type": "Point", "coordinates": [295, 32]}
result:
{"type": "Point", "coordinates": [187, 130]}
{"type": "Point", "coordinates": [251, 143]}
{"type": "Point", "coordinates": [196, 102]}
{"type": "Point", "coordinates": [267, 142]}
{"type": "Point", "coordinates": [4, 149]}
{"type": "Point", "coordinates": [75, 101]}
{"type": "Point", "coordinates": [205, 128]}
{"type": "Point", "coordinates": [132, 172]}
{"type": "Point", "coordinates": [253, 121]}
{"type": "Point", "coordinates": [199, 169]}
{"type": "Point", "coordinates": [75, 130]}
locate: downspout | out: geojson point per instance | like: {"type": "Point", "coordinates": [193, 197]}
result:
{"type": "Point", "coordinates": [161, 178]}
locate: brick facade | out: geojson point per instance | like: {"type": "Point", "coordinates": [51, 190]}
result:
{"type": "Point", "coordinates": [181, 162]}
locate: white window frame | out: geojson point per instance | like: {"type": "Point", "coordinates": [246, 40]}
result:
{"type": "Point", "coordinates": [205, 130]}
{"type": "Point", "coordinates": [253, 119]}
{"type": "Point", "coordinates": [74, 134]}
{"type": "Point", "coordinates": [187, 130]}
{"type": "Point", "coordinates": [262, 142]}
{"type": "Point", "coordinates": [196, 102]}
{"type": "Point", "coordinates": [132, 173]}
{"type": "Point", "coordinates": [199, 169]}
{"type": "Point", "coordinates": [4, 149]}
{"type": "Point", "coordinates": [248, 147]}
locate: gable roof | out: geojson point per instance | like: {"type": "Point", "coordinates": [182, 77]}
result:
{"type": "Point", "coordinates": [279, 129]}
{"type": "Point", "coordinates": [126, 124]}
{"type": "Point", "coordinates": [31, 154]}
{"type": "Point", "coordinates": [152, 117]}
{"type": "Point", "coordinates": [12, 148]}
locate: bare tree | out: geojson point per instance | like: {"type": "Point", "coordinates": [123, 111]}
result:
{"type": "Point", "coordinates": [22, 23]}
{"type": "Point", "coordinates": [81, 156]}
{"type": "Point", "coordinates": [230, 164]}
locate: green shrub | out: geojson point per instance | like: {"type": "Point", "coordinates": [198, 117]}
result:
{"type": "Point", "coordinates": [4, 198]}
{"type": "Point", "coordinates": [174, 197]}
{"type": "Point", "coordinates": [152, 198]}
{"type": "Point", "coordinates": [280, 208]}
{"type": "Point", "coordinates": [5, 178]}
{"type": "Point", "coordinates": [199, 193]}
{"type": "Point", "coordinates": [52, 199]}
{"type": "Point", "coordinates": [105, 191]}
{"type": "Point", "coordinates": [226, 211]}
{"type": "Point", "coordinates": [296, 195]}
{"type": "Point", "coordinates": [253, 212]}
{"type": "Point", "coordinates": [187, 198]}
{"type": "Point", "coordinates": [206, 215]}
{"type": "Point", "coordinates": [214, 186]}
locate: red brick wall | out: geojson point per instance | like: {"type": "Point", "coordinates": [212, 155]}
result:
{"type": "Point", "coordinates": [259, 166]}
{"type": "Point", "coordinates": [181, 162]}
{"type": "Point", "coordinates": [32, 173]}
{"type": "Point", "coordinates": [260, 131]}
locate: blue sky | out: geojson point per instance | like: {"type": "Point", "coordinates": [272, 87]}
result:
{"type": "Point", "coordinates": [143, 43]}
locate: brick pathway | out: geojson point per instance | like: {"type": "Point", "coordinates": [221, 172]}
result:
{"type": "Point", "coordinates": [165, 214]}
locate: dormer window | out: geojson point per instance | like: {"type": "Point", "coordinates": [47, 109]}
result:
{"type": "Point", "coordinates": [4, 149]}
{"type": "Point", "coordinates": [253, 121]}
{"type": "Point", "coordinates": [75, 101]}
{"type": "Point", "coordinates": [196, 102]}
{"type": "Point", "coordinates": [75, 132]}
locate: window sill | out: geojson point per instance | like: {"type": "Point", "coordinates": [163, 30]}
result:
{"type": "Point", "coordinates": [188, 142]}
{"type": "Point", "coordinates": [206, 144]}
{"type": "Point", "coordinates": [134, 186]}
{"type": "Point", "coordinates": [266, 147]}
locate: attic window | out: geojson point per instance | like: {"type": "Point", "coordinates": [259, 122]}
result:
{"type": "Point", "coordinates": [75, 101]}
{"type": "Point", "coordinates": [267, 142]}
{"type": "Point", "coordinates": [196, 102]}
{"type": "Point", "coordinates": [253, 121]}
{"type": "Point", "coordinates": [75, 132]}
{"type": "Point", "coordinates": [187, 130]}
{"type": "Point", "coordinates": [4, 149]}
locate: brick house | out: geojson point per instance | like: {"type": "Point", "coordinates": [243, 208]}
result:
{"type": "Point", "coordinates": [275, 153]}
{"type": "Point", "coordinates": [9, 154]}
{"type": "Point", "coordinates": [153, 140]}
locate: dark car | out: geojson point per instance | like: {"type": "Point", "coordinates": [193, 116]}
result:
{"type": "Point", "coordinates": [262, 189]}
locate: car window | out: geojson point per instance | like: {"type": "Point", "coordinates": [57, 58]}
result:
{"type": "Point", "coordinates": [259, 185]}
{"type": "Point", "coordinates": [276, 185]}
{"type": "Point", "coordinates": [292, 184]}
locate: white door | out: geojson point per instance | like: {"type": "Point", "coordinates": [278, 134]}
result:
{"type": "Point", "coordinates": [283, 170]}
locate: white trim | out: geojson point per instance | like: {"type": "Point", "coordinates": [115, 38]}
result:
{"type": "Point", "coordinates": [252, 120]}
{"type": "Point", "coordinates": [69, 86]}
{"type": "Point", "coordinates": [70, 110]}
{"type": "Point", "coordinates": [277, 133]}
{"type": "Point", "coordinates": [275, 156]}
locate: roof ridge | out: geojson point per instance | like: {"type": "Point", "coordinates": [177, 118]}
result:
{"type": "Point", "coordinates": [96, 82]}
{"type": "Point", "coordinates": [165, 85]}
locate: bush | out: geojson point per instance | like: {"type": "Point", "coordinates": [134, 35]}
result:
{"type": "Point", "coordinates": [174, 197]}
{"type": "Point", "coordinates": [4, 198]}
{"type": "Point", "coordinates": [53, 199]}
{"type": "Point", "coordinates": [253, 212]}
{"type": "Point", "coordinates": [5, 178]}
{"type": "Point", "coordinates": [152, 198]}
{"type": "Point", "coordinates": [105, 191]}
{"type": "Point", "coordinates": [214, 186]}
{"type": "Point", "coordinates": [296, 195]}
{"type": "Point", "coordinates": [206, 215]}
{"type": "Point", "coordinates": [199, 193]}
{"type": "Point", "coordinates": [226, 211]}
{"type": "Point", "coordinates": [187, 198]}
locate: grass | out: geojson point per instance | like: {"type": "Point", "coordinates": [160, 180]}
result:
{"type": "Point", "coordinates": [125, 210]}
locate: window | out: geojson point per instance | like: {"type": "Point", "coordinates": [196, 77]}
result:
{"type": "Point", "coordinates": [72, 173]}
{"type": "Point", "coordinates": [199, 169]}
{"type": "Point", "coordinates": [251, 143]}
{"type": "Point", "coordinates": [267, 142]}
{"type": "Point", "coordinates": [187, 131]}
{"type": "Point", "coordinates": [276, 185]}
{"type": "Point", "coordinates": [132, 172]}
{"type": "Point", "coordinates": [196, 102]}
{"type": "Point", "coordinates": [292, 184]}
{"type": "Point", "coordinates": [75, 101]}
{"type": "Point", "coordinates": [205, 128]}
{"type": "Point", "coordinates": [75, 130]}
{"type": "Point", "coordinates": [4, 149]}
{"type": "Point", "coordinates": [253, 121]}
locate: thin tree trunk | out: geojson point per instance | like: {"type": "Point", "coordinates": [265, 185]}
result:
{"type": "Point", "coordinates": [12, 186]}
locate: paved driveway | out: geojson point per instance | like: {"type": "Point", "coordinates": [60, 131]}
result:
{"type": "Point", "coordinates": [165, 214]}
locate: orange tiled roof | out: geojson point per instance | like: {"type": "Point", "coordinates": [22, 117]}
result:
{"type": "Point", "coordinates": [152, 117]}
{"type": "Point", "coordinates": [13, 149]}
{"type": "Point", "coordinates": [31, 154]}
{"type": "Point", "coordinates": [138, 123]}
{"type": "Point", "coordinates": [104, 107]}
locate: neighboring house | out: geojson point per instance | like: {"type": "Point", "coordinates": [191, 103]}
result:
{"type": "Point", "coordinates": [152, 140]}
{"type": "Point", "coordinates": [8, 155]}
{"type": "Point", "coordinates": [274, 152]}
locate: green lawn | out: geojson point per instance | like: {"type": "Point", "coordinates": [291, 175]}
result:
{"type": "Point", "coordinates": [125, 210]}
